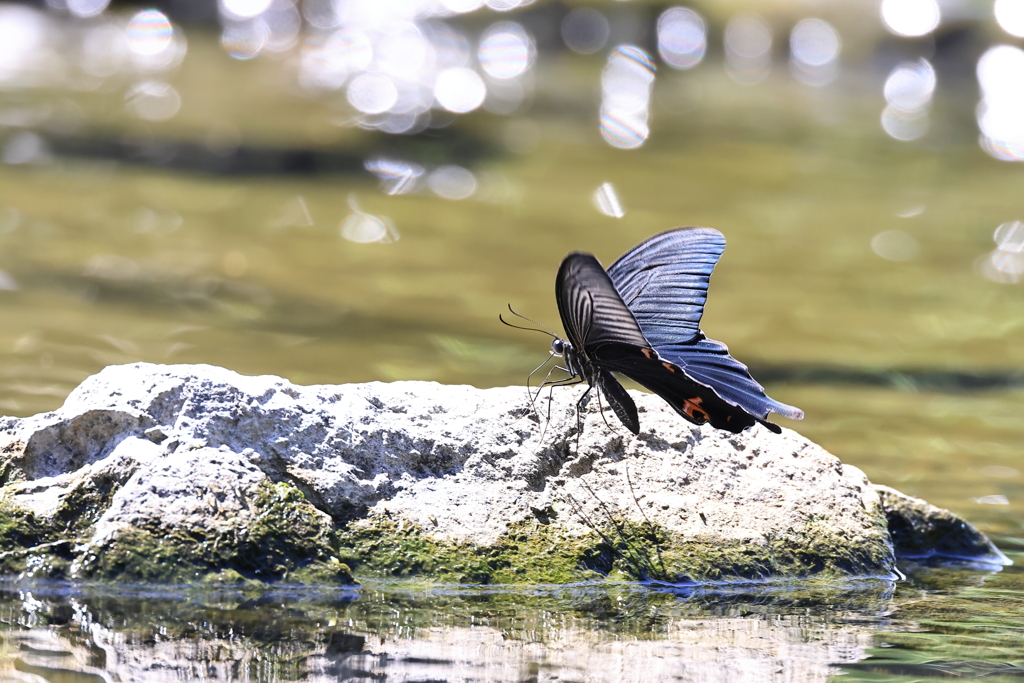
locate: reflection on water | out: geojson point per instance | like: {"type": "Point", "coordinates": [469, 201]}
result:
{"type": "Point", "coordinates": [626, 632]}
{"type": "Point", "coordinates": [594, 633]}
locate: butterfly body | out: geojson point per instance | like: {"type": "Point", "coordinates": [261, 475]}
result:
{"type": "Point", "coordinates": [640, 318]}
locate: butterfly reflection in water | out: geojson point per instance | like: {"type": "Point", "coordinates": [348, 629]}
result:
{"type": "Point", "coordinates": [641, 318]}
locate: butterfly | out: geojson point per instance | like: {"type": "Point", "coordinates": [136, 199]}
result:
{"type": "Point", "coordinates": [641, 319]}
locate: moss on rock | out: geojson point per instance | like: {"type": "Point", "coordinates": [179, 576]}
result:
{"type": "Point", "coordinates": [286, 540]}
{"type": "Point", "coordinates": [532, 552]}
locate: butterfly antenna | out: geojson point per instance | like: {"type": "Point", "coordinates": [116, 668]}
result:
{"type": "Point", "coordinates": [547, 330]}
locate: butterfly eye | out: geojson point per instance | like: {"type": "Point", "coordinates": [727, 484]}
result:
{"type": "Point", "coordinates": [558, 347]}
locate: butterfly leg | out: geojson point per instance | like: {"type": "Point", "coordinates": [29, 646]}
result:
{"type": "Point", "coordinates": [600, 409]}
{"type": "Point", "coordinates": [581, 405]}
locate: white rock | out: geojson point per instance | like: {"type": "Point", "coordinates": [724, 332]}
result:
{"type": "Point", "coordinates": [186, 446]}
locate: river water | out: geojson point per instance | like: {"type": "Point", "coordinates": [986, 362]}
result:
{"type": "Point", "coordinates": [178, 193]}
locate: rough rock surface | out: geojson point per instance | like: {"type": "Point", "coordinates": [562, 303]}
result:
{"type": "Point", "coordinates": [170, 473]}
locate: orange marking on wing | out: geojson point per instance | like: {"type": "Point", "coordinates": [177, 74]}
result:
{"type": "Point", "coordinates": [647, 352]}
{"type": "Point", "coordinates": [668, 366]}
{"type": "Point", "coordinates": [691, 408]}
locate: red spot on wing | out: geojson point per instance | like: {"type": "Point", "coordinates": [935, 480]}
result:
{"type": "Point", "coordinates": [669, 367]}
{"type": "Point", "coordinates": [647, 352]}
{"type": "Point", "coordinates": [691, 408]}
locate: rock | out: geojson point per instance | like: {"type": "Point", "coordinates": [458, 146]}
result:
{"type": "Point", "coordinates": [920, 531]}
{"type": "Point", "coordinates": [188, 473]}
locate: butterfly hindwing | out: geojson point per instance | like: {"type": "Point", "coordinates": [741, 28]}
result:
{"type": "Point", "coordinates": [620, 401]}
{"type": "Point", "coordinates": [693, 400]}
{"type": "Point", "coordinates": [664, 282]}
{"type": "Point", "coordinates": [708, 361]}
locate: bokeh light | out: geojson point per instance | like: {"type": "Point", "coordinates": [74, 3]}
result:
{"type": "Point", "coordinates": [87, 8]}
{"type": "Point", "coordinates": [1000, 113]}
{"type": "Point", "coordinates": [895, 245]}
{"type": "Point", "coordinates": [245, 40]}
{"type": "Point", "coordinates": [585, 30]}
{"type": "Point", "coordinates": [243, 9]}
{"type": "Point", "coordinates": [365, 228]}
{"type": "Point", "coordinates": [153, 100]}
{"type": "Point", "coordinates": [452, 182]}
{"type": "Point", "coordinates": [910, 86]}
{"type": "Point", "coordinates": [506, 50]}
{"type": "Point", "coordinates": [7, 282]}
{"type": "Point", "coordinates": [1010, 16]}
{"type": "Point", "coordinates": [459, 90]}
{"type": "Point", "coordinates": [1006, 263]}
{"type": "Point", "coordinates": [748, 45]}
{"type": "Point", "coordinates": [607, 201]}
{"type": "Point", "coordinates": [23, 38]}
{"type": "Point", "coordinates": [462, 6]}
{"type": "Point", "coordinates": [903, 125]}
{"type": "Point", "coordinates": [814, 46]}
{"type": "Point", "coordinates": [911, 18]}
{"type": "Point", "coordinates": [25, 148]}
{"type": "Point", "coordinates": [327, 60]}
{"type": "Point", "coordinates": [104, 50]}
{"type": "Point", "coordinates": [626, 84]}
{"type": "Point", "coordinates": [396, 176]}
{"type": "Point", "coordinates": [908, 93]}
{"type": "Point", "coordinates": [682, 37]}
{"type": "Point", "coordinates": [150, 33]}
{"type": "Point", "coordinates": [372, 93]}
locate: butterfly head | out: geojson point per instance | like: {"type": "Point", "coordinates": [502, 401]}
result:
{"type": "Point", "coordinates": [559, 347]}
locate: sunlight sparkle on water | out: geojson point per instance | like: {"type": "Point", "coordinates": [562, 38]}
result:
{"type": "Point", "coordinates": [1006, 263]}
{"type": "Point", "coordinates": [462, 6]}
{"type": "Point", "coordinates": [908, 91]}
{"type": "Point", "coordinates": [748, 46]}
{"type": "Point", "coordinates": [895, 245]}
{"type": "Point", "coordinates": [910, 86]}
{"type": "Point", "coordinates": [153, 100]}
{"type": "Point", "coordinates": [626, 84]}
{"type": "Point", "coordinates": [814, 46]}
{"type": "Point", "coordinates": [452, 182]}
{"type": "Point", "coordinates": [150, 33]}
{"type": "Point", "coordinates": [1010, 16]}
{"type": "Point", "coordinates": [459, 90]}
{"type": "Point", "coordinates": [243, 9]}
{"type": "Point", "coordinates": [371, 93]}
{"type": "Point", "coordinates": [326, 62]}
{"type": "Point", "coordinates": [396, 176]}
{"type": "Point", "coordinates": [244, 39]}
{"type": "Point", "coordinates": [911, 18]}
{"type": "Point", "coordinates": [682, 37]}
{"type": "Point", "coordinates": [87, 8]}
{"type": "Point", "coordinates": [506, 50]}
{"type": "Point", "coordinates": [1000, 113]}
{"type": "Point", "coordinates": [585, 30]}
{"type": "Point", "coordinates": [607, 201]}
{"type": "Point", "coordinates": [404, 52]}
{"type": "Point", "coordinates": [365, 228]}
{"type": "Point", "coordinates": [23, 34]}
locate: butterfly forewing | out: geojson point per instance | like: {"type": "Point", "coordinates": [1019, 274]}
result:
{"type": "Point", "coordinates": [591, 309]}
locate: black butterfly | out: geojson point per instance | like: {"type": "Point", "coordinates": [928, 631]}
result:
{"type": "Point", "coordinates": [641, 318]}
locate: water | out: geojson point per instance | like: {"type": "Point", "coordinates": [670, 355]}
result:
{"type": "Point", "coordinates": [163, 201]}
